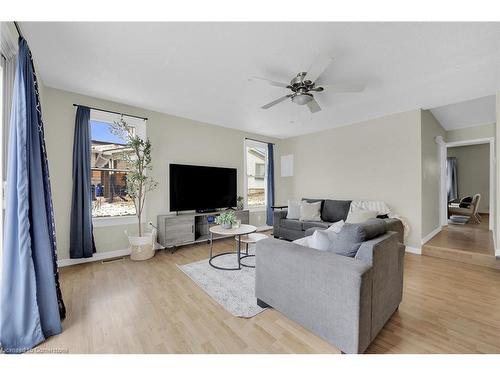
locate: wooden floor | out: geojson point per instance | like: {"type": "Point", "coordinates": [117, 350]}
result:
{"type": "Point", "coordinates": [152, 307]}
{"type": "Point", "coordinates": [470, 243]}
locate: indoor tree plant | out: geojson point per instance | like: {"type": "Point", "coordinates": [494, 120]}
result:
{"type": "Point", "coordinates": [139, 184]}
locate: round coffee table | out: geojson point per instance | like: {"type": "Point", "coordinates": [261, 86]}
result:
{"type": "Point", "coordinates": [250, 239]}
{"type": "Point", "coordinates": [238, 232]}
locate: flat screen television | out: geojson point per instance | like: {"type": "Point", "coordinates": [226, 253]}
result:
{"type": "Point", "coordinates": [194, 187]}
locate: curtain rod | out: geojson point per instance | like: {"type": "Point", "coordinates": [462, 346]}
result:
{"type": "Point", "coordinates": [105, 110]}
{"type": "Point", "coordinates": [18, 29]}
{"type": "Point", "coordinates": [256, 140]}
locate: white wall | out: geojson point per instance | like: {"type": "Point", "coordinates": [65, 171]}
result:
{"type": "Point", "coordinates": [473, 132]}
{"type": "Point", "coordinates": [378, 159]}
{"type": "Point", "coordinates": [174, 140]}
{"type": "Point", "coordinates": [473, 172]}
{"type": "Point", "coordinates": [496, 201]}
{"type": "Point", "coordinates": [431, 172]}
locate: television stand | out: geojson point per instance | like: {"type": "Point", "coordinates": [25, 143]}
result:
{"type": "Point", "coordinates": [190, 228]}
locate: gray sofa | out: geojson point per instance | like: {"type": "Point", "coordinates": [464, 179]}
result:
{"type": "Point", "coordinates": [331, 211]}
{"type": "Point", "coordinates": [344, 300]}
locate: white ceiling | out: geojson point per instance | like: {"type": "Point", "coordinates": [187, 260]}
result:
{"type": "Point", "coordinates": [201, 70]}
{"type": "Point", "coordinates": [473, 112]}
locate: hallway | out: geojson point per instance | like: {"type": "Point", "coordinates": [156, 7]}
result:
{"type": "Point", "coordinates": [469, 243]}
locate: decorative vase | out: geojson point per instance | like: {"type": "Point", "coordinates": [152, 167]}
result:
{"type": "Point", "coordinates": [226, 225]}
{"type": "Point", "coordinates": [239, 206]}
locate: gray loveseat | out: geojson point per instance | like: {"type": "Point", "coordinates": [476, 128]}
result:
{"type": "Point", "coordinates": [344, 300]}
{"type": "Point", "coordinates": [331, 212]}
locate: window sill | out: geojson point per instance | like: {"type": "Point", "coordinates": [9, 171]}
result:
{"type": "Point", "coordinates": [113, 220]}
{"type": "Point", "coordinates": [257, 209]}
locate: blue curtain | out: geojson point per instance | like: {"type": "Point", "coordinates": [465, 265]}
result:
{"type": "Point", "coordinates": [81, 243]}
{"type": "Point", "coordinates": [270, 184]}
{"type": "Point", "coordinates": [31, 305]}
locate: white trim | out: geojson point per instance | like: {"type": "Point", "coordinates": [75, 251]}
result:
{"type": "Point", "coordinates": [443, 150]}
{"type": "Point", "coordinates": [257, 209]}
{"type": "Point", "coordinates": [103, 116]}
{"type": "Point", "coordinates": [110, 221]}
{"type": "Point", "coordinates": [431, 235]}
{"type": "Point", "coordinates": [414, 250]}
{"type": "Point", "coordinates": [469, 142]}
{"type": "Point", "coordinates": [95, 258]}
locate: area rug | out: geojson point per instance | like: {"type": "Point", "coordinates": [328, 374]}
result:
{"type": "Point", "coordinates": [233, 290]}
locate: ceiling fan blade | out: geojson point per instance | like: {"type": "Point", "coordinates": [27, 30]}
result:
{"type": "Point", "coordinates": [341, 87]}
{"type": "Point", "coordinates": [313, 106]}
{"type": "Point", "coordinates": [269, 82]}
{"type": "Point", "coordinates": [274, 102]}
{"type": "Point", "coordinates": [317, 68]}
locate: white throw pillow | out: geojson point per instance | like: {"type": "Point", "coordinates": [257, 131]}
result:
{"type": "Point", "coordinates": [293, 210]}
{"type": "Point", "coordinates": [336, 227]}
{"type": "Point", "coordinates": [320, 240]}
{"type": "Point", "coordinates": [359, 216]}
{"type": "Point", "coordinates": [304, 241]}
{"type": "Point", "coordinates": [310, 211]}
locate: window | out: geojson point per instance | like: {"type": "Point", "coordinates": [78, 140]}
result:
{"type": "Point", "coordinates": [255, 174]}
{"type": "Point", "coordinates": [109, 167]}
{"type": "Point", "coordinates": [260, 170]}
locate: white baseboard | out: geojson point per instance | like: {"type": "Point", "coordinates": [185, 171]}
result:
{"type": "Point", "coordinates": [430, 235]}
{"type": "Point", "coordinates": [115, 254]}
{"type": "Point", "coordinates": [414, 250]}
{"type": "Point", "coordinates": [95, 258]}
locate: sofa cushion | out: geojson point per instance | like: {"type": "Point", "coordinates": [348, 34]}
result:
{"type": "Point", "coordinates": [310, 211]}
{"type": "Point", "coordinates": [360, 216]}
{"type": "Point", "coordinates": [335, 210]}
{"type": "Point", "coordinates": [293, 211]}
{"type": "Point", "coordinates": [314, 224]}
{"type": "Point", "coordinates": [348, 241]}
{"type": "Point", "coordinates": [291, 224]}
{"type": "Point", "coordinates": [320, 240]}
{"type": "Point", "coordinates": [373, 228]}
{"type": "Point", "coordinates": [314, 200]}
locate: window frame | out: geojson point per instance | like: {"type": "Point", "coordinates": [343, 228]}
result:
{"type": "Point", "coordinates": [140, 129]}
{"type": "Point", "coordinates": [251, 143]}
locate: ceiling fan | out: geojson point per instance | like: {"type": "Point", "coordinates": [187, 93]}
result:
{"type": "Point", "coordinates": [305, 83]}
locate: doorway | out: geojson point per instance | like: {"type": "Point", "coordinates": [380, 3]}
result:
{"type": "Point", "coordinates": [470, 241]}
{"type": "Point", "coordinates": [469, 169]}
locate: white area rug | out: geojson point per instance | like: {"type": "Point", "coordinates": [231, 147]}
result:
{"type": "Point", "coordinates": [234, 290]}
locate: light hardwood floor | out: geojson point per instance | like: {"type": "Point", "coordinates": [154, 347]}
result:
{"type": "Point", "coordinates": [470, 243]}
{"type": "Point", "coordinates": [152, 307]}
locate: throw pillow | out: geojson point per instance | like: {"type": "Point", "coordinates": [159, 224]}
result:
{"type": "Point", "coordinates": [359, 216]}
{"type": "Point", "coordinates": [310, 211]}
{"type": "Point", "coordinates": [320, 240]}
{"type": "Point", "coordinates": [304, 241]}
{"type": "Point", "coordinates": [293, 210]}
{"type": "Point", "coordinates": [336, 227]}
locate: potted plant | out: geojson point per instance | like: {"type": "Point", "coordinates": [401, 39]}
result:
{"type": "Point", "coordinates": [226, 219]}
{"type": "Point", "coordinates": [139, 184]}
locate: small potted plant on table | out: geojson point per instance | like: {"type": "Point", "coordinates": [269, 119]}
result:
{"type": "Point", "coordinates": [226, 219]}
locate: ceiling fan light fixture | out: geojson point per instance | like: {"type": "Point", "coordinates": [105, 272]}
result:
{"type": "Point", "coordinates": [302, 98]}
